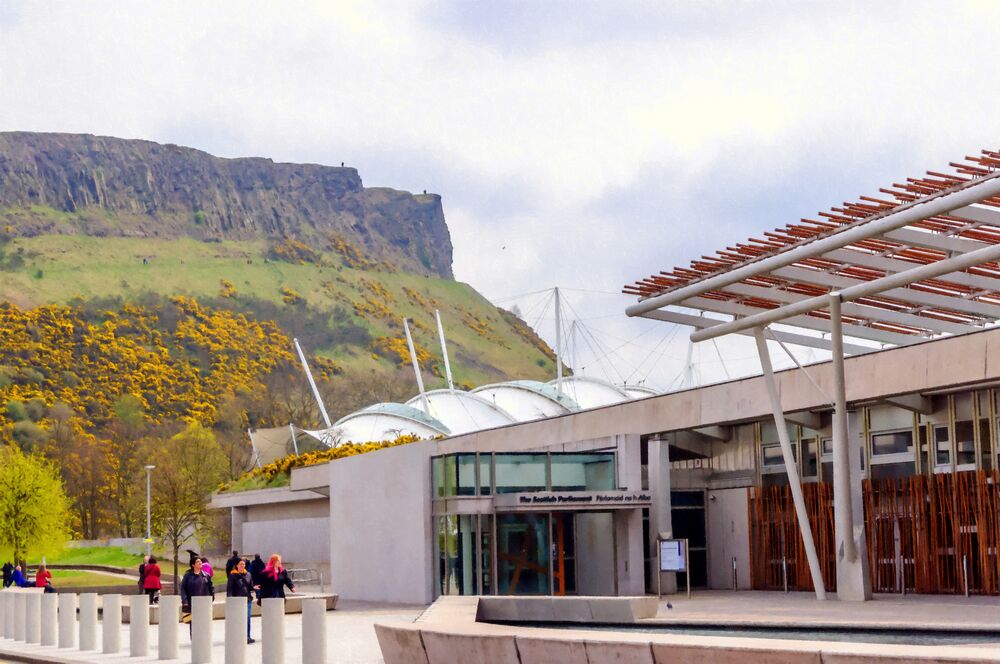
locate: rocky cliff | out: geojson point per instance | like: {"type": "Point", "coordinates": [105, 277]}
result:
{"type": "Point", "coordinates": [96, 185]}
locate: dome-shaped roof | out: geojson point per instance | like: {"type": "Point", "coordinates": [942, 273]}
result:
{"type": "Point", "coordinates": [638, 391]}
{"type": "Point", "coordinates": [384, 421]}
{"type": "Point", "coordinates": [590, 392]}
{"type": "Point", "coordinates": [527, 399]}
{"type": "Point", "coordinates": [462, 412]}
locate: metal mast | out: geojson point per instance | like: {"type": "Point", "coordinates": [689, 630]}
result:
{"type": "Point", "coordinates": [444, 351]}
{"type": "Point", "coordinates": [312, 384]}
{"type": "Point", "coordinates": [559, 368]}
{"type": "Point", "coordinates": [416, 368]}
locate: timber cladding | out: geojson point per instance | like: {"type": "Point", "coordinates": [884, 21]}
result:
{"type": "Point", "coordinates": [925, 534]}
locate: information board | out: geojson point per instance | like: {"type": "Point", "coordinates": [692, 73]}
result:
{"type": "Point", "coordinates": [672, 555]}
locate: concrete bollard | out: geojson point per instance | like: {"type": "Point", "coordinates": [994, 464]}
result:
{"type": "Point", "coordinates": [8, 618]}
{"type": "Point", "coordinates": [170, 615]}
{"type": "Point", "coordinates": [111, 624]}
{"type": "Point", "coordinates": [273, 630]}
{"type": "Point", "coordinates": [32, 618]}
{"type": "Point", "coordinates": [201, 630]}
{"type": "Point", "coordinates": [3, 614]}
{"type": "Point", "coordinates": [67, 620]}
{"type": "Point", "coordinates": [50, 617]}
{"type": "Point", "coordinates": [236, 630]}
{"type": "Point", "coordinates": [20, 613]}
{"type": "Point", "coordinates": [313, 631]}
{"type": "Point", "coordinates": [138, 625]}
{"type": "Point", "coordinates": [88, 621]}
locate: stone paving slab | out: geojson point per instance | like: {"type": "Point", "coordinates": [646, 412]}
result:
{"type": "Point", "coordinates": [350, 640]}
{"type": "Point", "coordinates": [773, 609]}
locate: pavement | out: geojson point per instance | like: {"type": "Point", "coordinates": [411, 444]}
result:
{"type": "Point", "coordinates": [350, 639]}
{"type": "Point", "coordinates": [890, 612]}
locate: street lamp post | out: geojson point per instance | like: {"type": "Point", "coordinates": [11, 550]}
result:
{"type": "Point", "coordinates": [149, 531]}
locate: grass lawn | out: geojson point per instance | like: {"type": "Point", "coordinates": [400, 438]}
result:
{"type": "Point", "coordinates": [97, 555]}
{"type": "Point", "coordinates": [64, 578]}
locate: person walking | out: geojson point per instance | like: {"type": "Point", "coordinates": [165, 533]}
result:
{"type": "Point", "coordinates": [206, 566]}
{"type": "Point", "coordinates": [151, 580]}
{"type": "Point", "coordinates": [8, 571]}
{"type": "Point", "coordinates": [142, 572]}
{"type": "Point", "coordinates": [257, 566]}
{"type": "Point", "coordinates": [43, 579]}
{"type": "Point", "coordinates": [231, 563]}
{"type": "Point", "coordinates": [239, 583]}
{"type": "Point", "coordinates": [275, 579]}
{"type": "Point", "coordinates": [194, 584]}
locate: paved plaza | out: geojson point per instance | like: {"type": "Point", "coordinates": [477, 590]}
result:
{"type": "Point", "coordinates": [350, 639]}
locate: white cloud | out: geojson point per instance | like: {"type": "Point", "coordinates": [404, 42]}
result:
{"type": "Point", "coordinates": [597, 144]}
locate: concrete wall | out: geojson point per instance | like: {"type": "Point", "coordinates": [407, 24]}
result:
{"type": "Point", "coordinates": [380, 525]}
{"type": "Point", "coordinates": [728, 538]}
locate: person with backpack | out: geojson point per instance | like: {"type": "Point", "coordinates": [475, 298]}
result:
{"type": "Point", "coordinates": [151, 581]}
{"type": "Point", "coordinates": [257, 572]}
{"type": "Point", "coordinates": [232, 562]}
{"type": "Point", "coordinates": [240, 584]}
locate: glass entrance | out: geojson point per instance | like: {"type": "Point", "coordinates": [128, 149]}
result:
{"type": "Point", "coordinates": [536, 554]}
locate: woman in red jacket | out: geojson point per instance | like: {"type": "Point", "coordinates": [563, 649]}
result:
{"type": "Point", "coordinates": [151, 580]}
{"type": "Point", "coordinates": [43, 577]}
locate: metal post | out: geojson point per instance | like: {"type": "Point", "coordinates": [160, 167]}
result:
{"type": "Point", "coordinates": [965, 573]}
{"type": "Point", "coordinates": [852, 573]}
{"type": "Point", "coordinates": [559, 367]}
{"type": "Point", "coordinates": [791, 469]}
{"type": "Point", "coordinates": [784, 573]}
{"type": "Point", "coordinates": [416, 368]}
{"type": "Point", "coordinates": [149, 528]}
{"type": "Point", "coordinates": [687, 566]}
{"type": "Point", "coordinates": [444, 351]}
{"type": "Point", "coordinates": [736, 585]}
{"type": "Point", "coordinates": [312, 384]}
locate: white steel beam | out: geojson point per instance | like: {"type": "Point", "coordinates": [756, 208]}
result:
{"type": "Point", "coordinates": [928, 240]}
{"type": "Point", "coordinates": [904, 215]}
{"type": "Point", "coordinates": [701, 322]}
{"type": "Point", "coordinates": [917, 298]}
{"type": "Point", "coordinates": [807, 322]}
{"type": "Point", "coordinates": [894, 265]}
{"type": "Point", "coordinates": [791, 467]}
{"type": "Point", "coordinates": [861, 310]}
{"type": "Point", "coordinates": [984, 214]}
{"type": "Point", "coordinates": [875, 287]}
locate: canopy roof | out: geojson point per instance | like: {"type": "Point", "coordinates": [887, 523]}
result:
{"type": "Point", "coordinates": [916, 262]}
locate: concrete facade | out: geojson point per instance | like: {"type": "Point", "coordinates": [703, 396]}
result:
{"type": "Point", "coordinates": [710, 441]}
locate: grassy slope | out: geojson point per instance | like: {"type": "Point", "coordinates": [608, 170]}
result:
{"type": "Point", "coordinates": [58, 268]}
{"type": "Point", "coordinates": [96, 555]}
{"type": "Point", "coordinates": [65, 578]}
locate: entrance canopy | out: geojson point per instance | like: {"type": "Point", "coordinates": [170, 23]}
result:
{"type": "Point", "coordinates": [916, 262]}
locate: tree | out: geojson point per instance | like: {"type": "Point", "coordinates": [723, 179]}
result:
{"type": "Point", "coordinates": [126, 430]}
{"type": "Point", "coordinates": [34, 510]}
{"type": "Point", "coordinates": [189, 466]}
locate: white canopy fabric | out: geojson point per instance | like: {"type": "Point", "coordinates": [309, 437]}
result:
{"type": "Point", "coordinates": [462, 412]}
{"type": "Point", "coordinates": [527, 400]}
{"type": "Point", "coordinates": [590, 392]}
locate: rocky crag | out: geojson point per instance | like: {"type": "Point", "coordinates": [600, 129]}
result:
{"type": "Point", "coordinates": [102, 186]}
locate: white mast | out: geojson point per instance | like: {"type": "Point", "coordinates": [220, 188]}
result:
{"type": "Point", "coordinates": [416, 368]}
{"type": "Point", "coordinates": [559, 370]}
{"type": "Point", "coordinates": [312, 384]}
{"type": "Point", "coordinates": [444, 351]}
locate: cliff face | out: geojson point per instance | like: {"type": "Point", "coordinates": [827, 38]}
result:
{"type": "Point", "coordinates": [95, 185]}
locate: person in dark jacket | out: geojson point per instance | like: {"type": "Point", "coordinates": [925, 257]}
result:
{"type": "Point", "coordinates": [8, 571]}
{"type": "Point", "coordinates": [240, 584]}
{"type": "Point", "coordinates": [275, 579]}
{"type": "Point", "coordinates": [195, 584]}
{"type": "Point", "coordinates": [231, 563]}
{"type": "Point", "coordinates": [257, 572]}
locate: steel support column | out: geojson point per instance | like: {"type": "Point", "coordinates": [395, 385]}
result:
{"type": "Point", "coordinates": [853, 582]}
{"type": "Point", "coordinates": [791, 467]}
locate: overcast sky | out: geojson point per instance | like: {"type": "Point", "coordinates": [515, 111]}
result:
{"type": "Point", "coordinates": [579, 144]}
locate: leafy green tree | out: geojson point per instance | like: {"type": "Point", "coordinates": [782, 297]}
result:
{"type": "Point", "coordinates": [34, 510]}
{"type": "Point", "coordinates": [126, 430]}
{"type": "Point", "coordinates": [189, 466]}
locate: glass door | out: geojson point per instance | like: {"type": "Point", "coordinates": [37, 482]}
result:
{"type": "Point", "coordinates": [523, 554]}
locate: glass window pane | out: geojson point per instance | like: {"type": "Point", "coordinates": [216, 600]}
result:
{"type": "Point", "coordinates": [465, 467]}
{"type": "Point", "coordinates": [522, 553]}
{"type": "Point", "coordinates": [516, 473]}
{"type": "Point", "coordinates": [771, 455]}
{"type": "Point", "coordinates": [438, 476]}
{"type": "Point", "coordinates": [583, 472]}
{"type": "Point", "coordinates": [942, 446]}
{"type": "Point", "coordinates": [809, 467]}
{"type": "Point", "coordinates": [485, 474]}
{"type": "Point", "coordinates": [965, 444]}
{"type": "Point", "coordinates": [892, 442]}
{"type": "Point", "coordinates": [827, 446]}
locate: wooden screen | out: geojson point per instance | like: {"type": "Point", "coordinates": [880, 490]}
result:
{"type": "Point", "coordinates": [925, 534]}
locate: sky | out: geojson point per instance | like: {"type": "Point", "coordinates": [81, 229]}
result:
{"type": "Point", "coordinates": [578, 144]}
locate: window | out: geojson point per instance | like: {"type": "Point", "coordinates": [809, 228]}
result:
{"type": "Point", "coordinates": [771, 455]}
{"type": "Point", "coordinates": [965, 443]}
{"type": "Point", "coordinates": [583, 472]}
{"type": "Point", "coordinates": [809, 467]}
{"type": "Point", "coordinates": [827, 446]}
{"type": "Point", "coordinates": [892, 442]}
{"type": "Point", "coordinates": [942, 445]}
{"type": "Point", "coordinates": [516, 473]}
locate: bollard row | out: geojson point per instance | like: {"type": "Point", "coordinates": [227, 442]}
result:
{"type": "Point", "coordinates": [65, 620]}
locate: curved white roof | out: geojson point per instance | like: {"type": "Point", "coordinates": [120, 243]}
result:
{"type": "Point", "coordinates": [462, 412]}
{"type": "Point", "coordinates": [386, 421]}
{"type": "Point", "coordinates": [590, 392]}
{"type": "Point", "coordinates": [527, 399]}
{"type": "Point", "coordinates": [638, 391]}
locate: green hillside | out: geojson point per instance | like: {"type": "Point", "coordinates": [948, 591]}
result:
{"type": "Point", "coordinates": [339, 304]}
